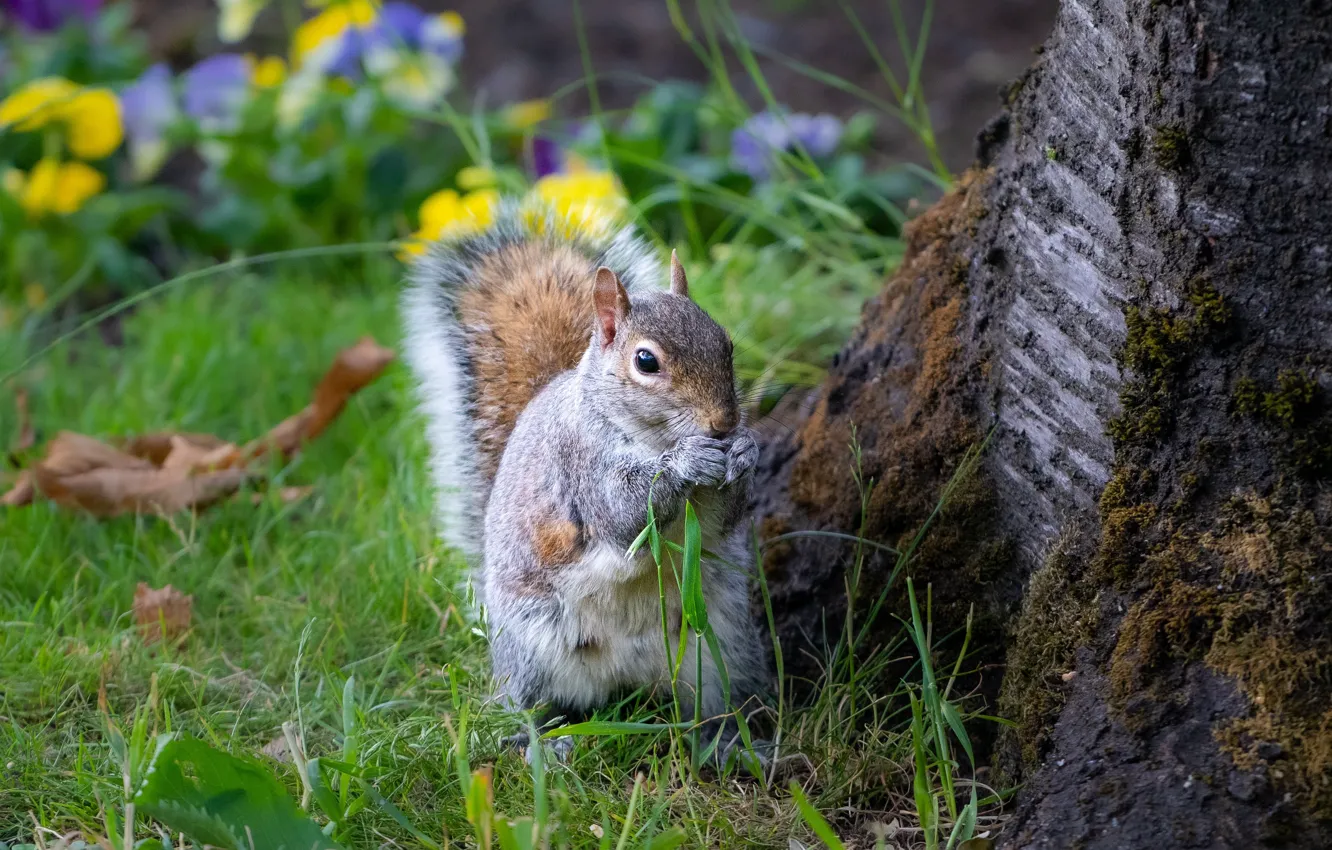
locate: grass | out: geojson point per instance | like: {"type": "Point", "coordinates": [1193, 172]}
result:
{"type": "Point", "coordinates": [338, 616]}
{"type": "Point", "coordinates": [337, 627]}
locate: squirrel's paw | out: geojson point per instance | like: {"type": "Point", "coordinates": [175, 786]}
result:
{"type": "Point", "coordinates": [756, 758]}
{"type": "Point", "coordinates": [742, 457]}
{"type": "Point", "coordinates": [731, 752]}
{"type": "Point", "coordinates": [558, 750]}
{"type": "Point", "coordinates": [699, 460]}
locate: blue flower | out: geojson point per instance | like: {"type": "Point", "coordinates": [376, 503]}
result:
{"type": "Point", "coordinates": [818, 134]}
{"type": "Point", "coordinates": [349, 55]}
{"type": "Point", "coordinates": [763, 136]}
{"type": "Point", "coordinates": [399, 24]}
{"type": "Point", "coordinates": [47, 15]}
{"type": "Point", "coordinates": [215, 89]}
{"type": "Point", "coordinates": [442, 35]}
{"type": "Point", "coordinates": [148, 108]}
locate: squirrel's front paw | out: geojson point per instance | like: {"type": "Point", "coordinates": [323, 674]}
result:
{"type": "Point", "coordinates": [700, 460]}
{"type": "Point", "coordinates": [742, 457]}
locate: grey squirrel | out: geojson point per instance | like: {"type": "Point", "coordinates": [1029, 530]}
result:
{"type": "Point", "coordinates": [560, 382]}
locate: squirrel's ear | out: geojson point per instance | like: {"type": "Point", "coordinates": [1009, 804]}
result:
{"type": "Point", "coordinates": [612, 305]}
{"type": "Point", "coordinates": [679, 283]}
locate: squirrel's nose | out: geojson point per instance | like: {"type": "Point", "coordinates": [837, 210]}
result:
{"type": "Point", "coordinates": [722, 423]}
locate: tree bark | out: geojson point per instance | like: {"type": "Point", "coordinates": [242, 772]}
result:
{"type": "Point", "coordinates": [1132, 294]}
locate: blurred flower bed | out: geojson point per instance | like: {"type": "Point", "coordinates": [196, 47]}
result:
{"type": "Point", "coordinates": [361, 135]}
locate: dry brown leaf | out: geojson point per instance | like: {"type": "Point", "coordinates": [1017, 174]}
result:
{"type": "Point", "coordinates": [188, 455]}
{"type": "Point", "coordinates": [21, 493]}
{"type": "Point", "coordinates": [353, 369]}
{"type": "Point", "coordinates": [166, 472]}
{"type": "Point", "coordinates": [163, 613]}
{"type": "Point", "coordinates": [278, 749]}
{"type": "Point", "coordinates": [26, 435]}
{"type": "Point", "coordinates": [80, 472]}
{"type": "Point", "coordinates": [156, 447]}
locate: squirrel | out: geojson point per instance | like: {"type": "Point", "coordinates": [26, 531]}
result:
{"type": "Point", "coordinates": [562, 384]}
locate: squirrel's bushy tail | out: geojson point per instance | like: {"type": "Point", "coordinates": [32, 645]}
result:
{"type": "Point", "coordinates": [490, 319]}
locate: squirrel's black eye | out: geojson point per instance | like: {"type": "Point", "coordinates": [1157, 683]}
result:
{"type": "Point", "coordinates": [646, 361]}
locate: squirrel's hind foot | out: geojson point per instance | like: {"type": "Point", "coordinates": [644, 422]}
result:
{"type": "Point", "coordinates": [559, 749]}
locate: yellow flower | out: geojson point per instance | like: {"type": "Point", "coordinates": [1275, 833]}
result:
{"type": "Point", "coordinates": [415, 81]}
{"type": "Point", "coordinates": [61, 188]}
{"type": "Point", "coordinates": [236, 18]}
{"type": "Point", "coordinates": [587, 203]}
{"type": "Point", "coordinates": [445, 214]}
{"type": "Point", "coordinates": [268, 72]}
{"type": "Point", "coordinates": [36, 104]}
{"type": "Point", "coordinates": [528, 114]}
{"type": "Point", "coordinates": [326, 26]}
{"type": "Point", "coordinates": [453, 22]}
{"type": "Point", "coordinates": [476, 177]}
{"type": "Point", "coordinates": [93, 117]}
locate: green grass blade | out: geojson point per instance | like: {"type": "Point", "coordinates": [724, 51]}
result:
{"type": "Point", "coordinates": [814, 820]}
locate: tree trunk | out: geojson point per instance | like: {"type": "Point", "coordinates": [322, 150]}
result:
{"type": "Point", "coordinates": [1132, 294]}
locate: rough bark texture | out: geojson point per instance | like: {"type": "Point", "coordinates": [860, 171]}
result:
{"type": "Point", "coordinates": [1136, 290]}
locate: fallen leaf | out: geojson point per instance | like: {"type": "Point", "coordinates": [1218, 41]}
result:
{"type": "Point", "coordinates": [168, 471]}
{"type": "Point", "coordinates": [22, 491]}
{"type": "Point", "coordinates": [80, 472]}
{"type": "Point", "coordinates": [163, 613]}
{"type": "Point", "coordinates": [195, 457]}
{"type": "Point", "coordinates": [156, 447]}
{"type": "Point", "coordinates": [278, 749]}
{"type": "Point", "coordinates": [353, 369]}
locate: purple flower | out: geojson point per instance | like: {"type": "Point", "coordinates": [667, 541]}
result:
{"type": "Point", "coordinates": [817, 134]}
{"type": "Point", "coordinates": [397, 27]}
{"type": "Point", "coordinates": [442, 36]}
{"type": "Point", "coordinates": [547, 157]}
{"type": "Point", "coordinates": [403, 27]}
{"type": "Point", "coordinates": [47, 15]}
{"type": "Point", "coordinates": [147, 106]}
{"type": "Point", "coordinates": [215, 89]}
{"type": "Point", "coordinates": [766, 134]}
{"type": "Point", "coordinates": [352, 46]}
{"type": "Point", "coordinates": [400, 25]}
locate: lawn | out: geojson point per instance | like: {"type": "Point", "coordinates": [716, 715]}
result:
{"type": "Point", "coordinates": [335, 627]}
{"type": "Point", "coordinates": [338, 614]}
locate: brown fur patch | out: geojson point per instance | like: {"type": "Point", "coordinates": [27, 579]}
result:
{"type": "Point", "coordinates": [527, 317]}
{"type": "Point", "coordinates": [556, 543]}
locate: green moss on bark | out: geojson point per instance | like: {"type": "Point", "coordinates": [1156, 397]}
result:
{"type": "Point", "coordinates": [1158, 346]}
{"type": "Point", "coordinates": [1059, 614]}
{"type": "Point", "coordinates": [1171, 147]}
{"type": "Point", "coordinates": [1245, 590]}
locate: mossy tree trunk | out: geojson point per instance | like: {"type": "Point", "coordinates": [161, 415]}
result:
{"type": "Point", "coordinates": [1133, 294]}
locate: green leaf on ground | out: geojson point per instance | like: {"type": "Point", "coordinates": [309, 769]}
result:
{"type": "Point", "coordinates": [224, 800]}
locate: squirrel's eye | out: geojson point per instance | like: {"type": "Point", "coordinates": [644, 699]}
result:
{"type": "Point", "coordinates": [646, 361]}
